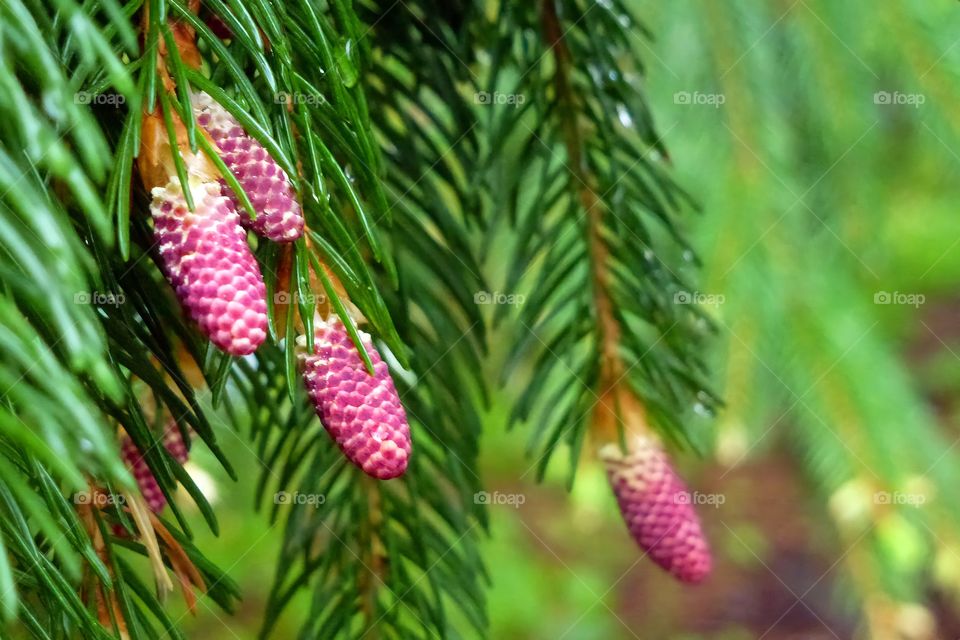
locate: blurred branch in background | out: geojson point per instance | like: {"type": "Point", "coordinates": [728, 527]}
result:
{"type": "Point", "coordinates": [822, 143]}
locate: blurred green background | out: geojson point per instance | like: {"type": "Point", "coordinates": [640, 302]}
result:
{"type": "Point", "coordinates": [821, 140]}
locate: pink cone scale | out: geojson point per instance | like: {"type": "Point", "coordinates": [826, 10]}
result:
{"type": "Point", "coordinates": [657, 509]}
{"type": "Point", "coordinates": [206, 258]}
{"type": "Point", "coordinates": [361, 412]}
{"type": "Point", "coordinates": [149, 488]}
{"type": "Point", "coordinates": [267, 185]}
{"type": "Point", "coordinates": [174, 443]}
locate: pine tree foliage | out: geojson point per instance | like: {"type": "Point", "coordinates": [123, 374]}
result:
{"type": "Point", "coordinates": [402, 557]}
{"type": "Point", "coordinates": [598, 241]}
{"type": "Point", "coordinates": [376, 112]}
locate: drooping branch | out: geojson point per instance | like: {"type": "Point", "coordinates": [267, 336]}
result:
{"type": "Point", "coordinates": [585, 182]}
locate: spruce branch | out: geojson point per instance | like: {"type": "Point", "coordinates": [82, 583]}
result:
{"type": "Point", "coordinates": [617, 262]}
{"type": "Point", "coordinates": [607, 327]}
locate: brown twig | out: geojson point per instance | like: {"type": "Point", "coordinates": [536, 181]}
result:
{"type": "Point", "coordinates": [614, 400]}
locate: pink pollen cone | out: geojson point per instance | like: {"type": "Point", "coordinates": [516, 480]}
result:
{"type": "Point", "coordinates": [149, 488]}
{"type": "Point", "coordinates": [267, 185]}
{"type": "Point", "coordinates": [206, 258]}
{"type": "Point", "coordinates": [656, 506]}
{"type": "Point", "coordinates": [361, 412]}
